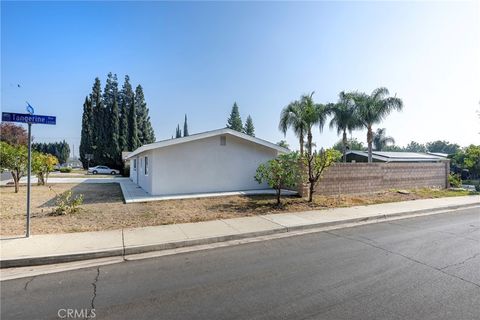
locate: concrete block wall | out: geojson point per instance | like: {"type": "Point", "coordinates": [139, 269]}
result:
{"type": "Point", "coordinates": [351, 178]}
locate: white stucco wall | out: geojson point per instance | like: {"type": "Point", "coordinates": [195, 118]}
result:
{"type": "Point", "coordinates": [203, 166]}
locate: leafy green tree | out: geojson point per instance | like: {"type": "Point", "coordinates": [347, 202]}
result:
{"type": "Point", "coordinates": [381, 140]}
{"type": "Point", "coordinates": [234, 122]}
{"type": "Point", "coordinates": [42, 165]}
{"type": "Point", "coordinates": [292, 116]}
{"type": "Point", "coordinates": [249, 128]}
{"type": "Point", "coordinates": [352, 144]}
{"type": "Point", "coordinates": [316, 164]}
{"type": "Point", "coordinates": [15, 160]}
{"type": "Point", "coordinates": [86, 139]}
{"type": "Point", "coordinates": [442, 147]}
{"type": "Point", "coordinates": [61, 150]}
{"type": "Point", "coordinates": [393, 148]}
{"type": "Point", "coordinates": [279, 173]}
{"type": "Point", "coordinates": [415, 147]}
{"type": "Point", "coordinates": [373, 108]}
{"type": "Point", "coordinates": [13, 134]}
{"type": "Point", "coordinates": [185, 127]}
{"type": "Point", "coordinates": [344, 118]}
{"type": "Point", "coordinates": [283, 144]}
{"type": "Point", "coordinates": [472, 160]}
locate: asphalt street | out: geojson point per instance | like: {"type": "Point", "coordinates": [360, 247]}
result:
{"type": "Point", "coordinates": [420, 268]}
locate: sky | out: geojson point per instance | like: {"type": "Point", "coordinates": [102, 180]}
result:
{"type": "Point", "coordinates": [198, 58]}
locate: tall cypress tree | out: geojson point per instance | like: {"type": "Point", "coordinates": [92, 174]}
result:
{"type": "Point", "coordinates": [234, 121]}
{"type": "Point", "coordinates": [127, 100]}
{"type": "Point", "coordinates": [249, 128]}
{"type": "Point", "coordinates": [114, 152]}
{"type": "Point", "coordinates": [178, 134]}
{"type": "Point", "coordinates": [145, 130]}
{"type": "Point", "coordinates": [123, 130]}
{"type": "Point", "coordinates": [98, 122]}
{"type": "Point", "coordinates": [86, 139]}
{"type": "Point", "coordinates": [111, 121]}
{"type": "Point", "coordinates": [133, 141]}
{"type": "Point", "coordinates": [185, 127]}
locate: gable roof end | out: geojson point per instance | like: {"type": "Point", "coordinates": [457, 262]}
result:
{"type": "Point", "coordinates": [203, 135]}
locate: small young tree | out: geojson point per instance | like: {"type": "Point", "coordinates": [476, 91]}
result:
{"type": "Point", "coordinates": [42, 165]}
{"type": "Point", "coordinates": [281, 172]}
{"type": "Point", "coordinates": [316, 163]}
{"type": "Point", "coordinates": [14, 159]}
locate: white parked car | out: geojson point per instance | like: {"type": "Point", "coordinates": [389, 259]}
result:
{"type": "Point", "coordinates": [103, 170]}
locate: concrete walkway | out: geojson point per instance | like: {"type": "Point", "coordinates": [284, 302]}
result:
{"type": "Point", "coordinates": [56, 248]}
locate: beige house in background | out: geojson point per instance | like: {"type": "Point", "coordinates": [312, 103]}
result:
{"type": "Point", "coordinates": [214, 161]}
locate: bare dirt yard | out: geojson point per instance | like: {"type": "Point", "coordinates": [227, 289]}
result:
{"type": "Point", "coordinates": [103, 207]}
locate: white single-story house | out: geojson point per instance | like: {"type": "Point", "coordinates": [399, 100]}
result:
{"type": "Point", "coordinates": [393, 156]}
{"type": "Point", "coordinates": [214, 161]}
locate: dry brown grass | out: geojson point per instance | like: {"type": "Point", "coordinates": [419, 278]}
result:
{"type": "Point", "coordinates": [103, 208]}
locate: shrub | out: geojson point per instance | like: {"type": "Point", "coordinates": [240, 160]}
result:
{"type": "Point", "coordinates": [455, 181]}
{"type": "Point", "coordinates": [65, 169]}
{"type": "Point", "coordinates": [67, 204]}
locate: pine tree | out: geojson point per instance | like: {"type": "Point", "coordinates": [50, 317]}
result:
{"type": "Point", "coordinates": [185, 127]}
{"type": "Point", "coordinates": [86, 139]}
{"type": "Point", "coordinates": [98, 122]}
{"type": "Point", "coordinates": [249, 128]}
{"type": "Point", "coordinates": [234, 121]}
{"type": "Point", "coordinates": [178, 134]}
{"type": "Point", "coordinates": [145, 130]}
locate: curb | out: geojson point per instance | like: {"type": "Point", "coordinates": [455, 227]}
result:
{"type": "Point", "coordinates": [35, 261]}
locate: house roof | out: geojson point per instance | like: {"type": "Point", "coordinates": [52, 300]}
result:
{"type": "Point", "coordinates": [203, 135]}
{"type": "Point", "coordinates": [390, 156]}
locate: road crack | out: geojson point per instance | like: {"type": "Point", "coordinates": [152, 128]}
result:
{"type": "Point", "coordinates": [28, 282]}
{"type": "Point", "coordinates": [94, 285]}
{"type": "Point", "coordinates": [461, 262]}
{"type": "Point", "coordinates": [403, 256]}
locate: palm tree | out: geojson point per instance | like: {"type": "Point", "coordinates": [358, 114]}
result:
{"type": "Point", "coordinates": [373, 109]}
{"type": "Point", "coordinates": [381, 140]}
{"type": "Point", "coordinates": [292, 116]}
{"type": "Point", "coordinates": [344, 118]}
{"type": "Point", "coordinates": [314, 114]}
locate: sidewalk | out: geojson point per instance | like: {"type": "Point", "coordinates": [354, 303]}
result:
{"type": "Point", "coordinates": [56, 248]}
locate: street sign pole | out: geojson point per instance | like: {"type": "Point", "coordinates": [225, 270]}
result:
{"type": "Point", "coordinates": [29, 173]}
{"type": "Point", "coordinates": [28, 118]}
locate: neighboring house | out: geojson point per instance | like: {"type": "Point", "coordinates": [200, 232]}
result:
{"type": "Point", "coordinates": [73, 163]}
{"type": "Point", "coordinates": [387, 156]}
{"type": "Point", "coordinates": [213, 161]}
{"type": "Point", "coordinates": [439, 154]}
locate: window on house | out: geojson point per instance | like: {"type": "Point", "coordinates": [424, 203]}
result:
{"type": "Point", "coordinates": [223, 140]}
{"type": "Point", "coordinates": [141, 163]}
{"type": "Point", "coordinates": [134, 164]}
{"type": "Point", "coordinates": [146, 165]}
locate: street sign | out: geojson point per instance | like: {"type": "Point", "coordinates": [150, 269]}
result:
{"type": "Point", "coordinates": [28, 118]}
